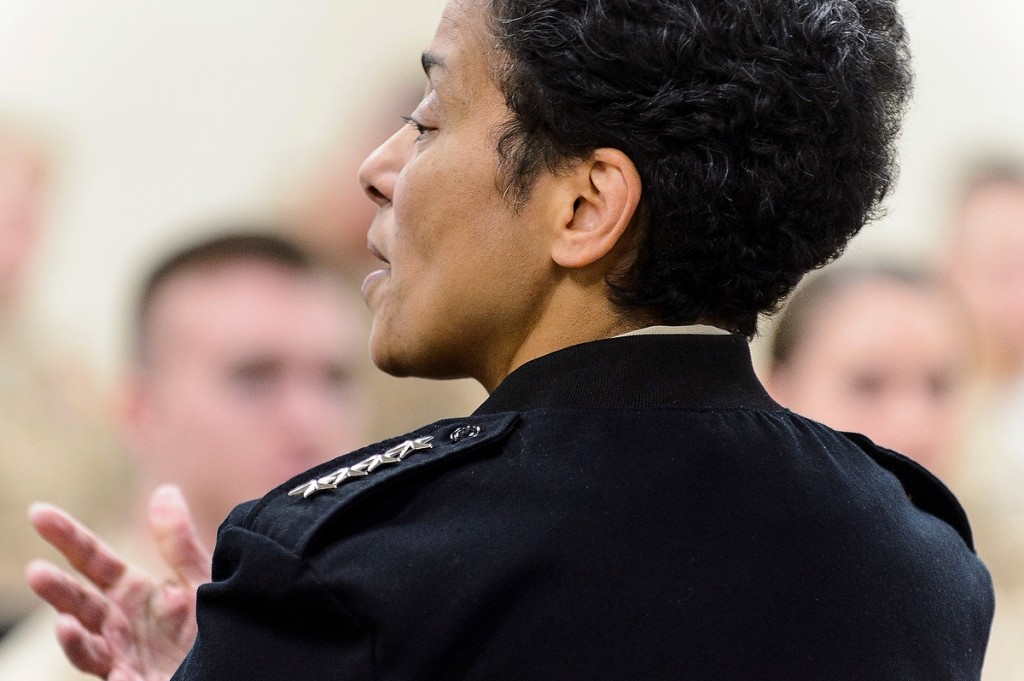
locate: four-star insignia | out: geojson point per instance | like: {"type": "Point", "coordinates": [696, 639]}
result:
{"type": "Point", "coordinates": [371, 464]}
{"type": "Point", "coordinates": [339, 476]}
{"type": "Point", "coordinates": [409, 446]}
{"type": "Point", "coordinates": [306, 489]}
{"type": "Point", "coordinates": [396, 454]}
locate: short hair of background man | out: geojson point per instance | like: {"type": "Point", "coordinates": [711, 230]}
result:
{"type": "Point", "coordinates": [224, 249]}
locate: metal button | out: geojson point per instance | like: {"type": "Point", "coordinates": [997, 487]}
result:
{"type": "Point", "coordinates": [464, 431]}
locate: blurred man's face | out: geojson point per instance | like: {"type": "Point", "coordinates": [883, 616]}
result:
{"type": "Point", "coordinates": [21, 189]}
{"type": "Point", "coordinates": [886, 360]}
{"type": "Point", "coordinates": [988, 268]}
{"type": "Point", "coordinates": [463, 272]}
{"type": "Point", "coordinates": [251, 379]}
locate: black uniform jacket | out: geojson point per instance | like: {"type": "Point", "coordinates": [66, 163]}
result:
{"type": "Point", "coordinates": [633, 508]}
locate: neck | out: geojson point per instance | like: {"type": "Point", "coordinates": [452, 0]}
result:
{"type": "Point", "coordinates": [565, 321]}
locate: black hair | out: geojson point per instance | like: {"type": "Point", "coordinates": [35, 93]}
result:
{"type": "Point", "coordinates": [763, 132]}
{"type": "Point", "coordinates": [987, 172]}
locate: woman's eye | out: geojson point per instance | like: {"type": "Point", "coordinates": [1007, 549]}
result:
{"type": "Point", "coordinates": [420, 128]}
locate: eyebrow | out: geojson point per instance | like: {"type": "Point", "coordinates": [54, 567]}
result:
{"type": "Point", "coordinates": [431, 60]}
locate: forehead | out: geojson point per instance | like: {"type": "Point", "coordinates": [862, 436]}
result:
{"type": "Point", "coordinates": [881, 307]}
{"type": "Point", "coordinates": [244, 301]}
{"type": "Point", "coordinates": [992, 213]}
{"type": "Point", "coordinates": [462, 19]}
{"type": "Point", "coordinates": [462, 52]}
{"type": "Point", "coordinates": [902, 329]}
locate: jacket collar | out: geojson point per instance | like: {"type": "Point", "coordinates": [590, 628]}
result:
{"type": "Point", "coordinates": [637, 372]}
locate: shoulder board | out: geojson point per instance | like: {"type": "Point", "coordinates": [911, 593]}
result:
{"type": "Point", "coordinates": [923, 489]}
{"type": "Point", "coordinates": [293, 513]}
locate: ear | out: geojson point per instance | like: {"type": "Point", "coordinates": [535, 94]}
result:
{"type": "Point", "coordinates": [133, 412]}
{"type": "Point", "coordinates": [605, 191]}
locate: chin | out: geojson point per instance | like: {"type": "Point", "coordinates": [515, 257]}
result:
{"type": "Point", "coordinates": [412, 359]}
{"type": "Point", "coordinates": [386, 356]}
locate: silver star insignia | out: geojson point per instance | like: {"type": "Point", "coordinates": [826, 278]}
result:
{"type": "Point", "coordinates": [391, 456]}
{"type": "Point", "coordinates": [339, 476]}
{"type": "Point", "coordinates": [403, 450]}
{"type": "Point", "coordinates": [308, 489]}
{"type": "Point", "coordinates": [369, 465]}
{"type": "Point", "coordinates": [394, 455]}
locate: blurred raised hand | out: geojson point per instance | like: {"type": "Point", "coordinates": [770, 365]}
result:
{"type": "Point", "coordinates": [116, 621]}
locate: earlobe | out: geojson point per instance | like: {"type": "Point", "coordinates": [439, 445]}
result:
{"type": "Point", "coordinates": [132, 414]}
{"type": "Point", "coordinates": [606, 192]}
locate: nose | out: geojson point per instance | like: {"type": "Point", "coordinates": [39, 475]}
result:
{"type": "Point", "coordinates": [305, 413]}
{"type": "Point", "coordinates": [380, 170]}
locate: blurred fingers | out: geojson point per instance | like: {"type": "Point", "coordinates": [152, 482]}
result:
{"type": "Point", "coordinates": [85, 650]}
{"type": "Point", "coordinates": [175, 604]}
{"type": "Point", "coordinates": [84, 550]}
{"type": "Point", "coordinates": [176, 536]}
{"type": "Point", "coordinates": [67, 594]}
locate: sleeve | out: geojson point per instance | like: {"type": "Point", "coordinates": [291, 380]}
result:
{"type": "Point", "coordinates": [266, 615]}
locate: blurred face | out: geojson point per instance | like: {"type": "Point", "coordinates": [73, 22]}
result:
{"type": "Point", "coordinates": [251, 379]}
{"type": "Point", "coordinates": [21, 187]}
{"type": "Point", "coordinates": [463, 274]}
{"type": "Point", "coordinates": [988, 268]}
{"type": "Point", "coordinates": [886, 360]}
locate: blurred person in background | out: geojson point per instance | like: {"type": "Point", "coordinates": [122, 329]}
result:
{"type": "Point", "coordinates": [247, 369]}
{"type": "Point", "coordinates": [24, 170]}
{"type": "Point", "coordinates": [880, 350]}
{"type": "Point", "coordinates": [54, 433]}
{"type": "Point", "coordinates": [330, 216]}
{"type": "Point", "coordinates": [985, 262]}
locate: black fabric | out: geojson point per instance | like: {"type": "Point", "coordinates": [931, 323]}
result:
{"type": "Point", "coordinates": [637, 372]}
{"type": "Point", "coordinates": [635, 508]}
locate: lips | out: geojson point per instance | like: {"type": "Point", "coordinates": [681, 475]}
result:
{"type": "Point", "coordinates": [376, 275]}
{"type": "Point", "coordinates": [376, 253]}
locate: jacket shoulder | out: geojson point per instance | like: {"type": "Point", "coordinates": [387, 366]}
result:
{"type": "Point", "coordinates": [922, 488]}
{"type": "Point", "coordinates": [293, 513]}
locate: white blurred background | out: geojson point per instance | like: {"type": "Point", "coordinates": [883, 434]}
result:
{"type": "Point", "coordinates": [169, 116]}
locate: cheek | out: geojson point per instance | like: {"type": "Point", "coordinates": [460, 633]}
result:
{"type": "Point", "coordinates": [348, 429]}
{"type": "Point", "coordinates": [417, 232]}
{"type": "Point", "coordinates": [423, 189]}
{"type": "Point", "coordinates": [828, 394]}
{"type": "Point", "coordinates": [447, 191]}
{"type": "Point", "coordinates": [818, 388]}
{"type": "Point", "coordinates": [226, 420]}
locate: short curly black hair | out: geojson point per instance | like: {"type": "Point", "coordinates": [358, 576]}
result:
{"type": "Point", "coordinates": [763, 131]}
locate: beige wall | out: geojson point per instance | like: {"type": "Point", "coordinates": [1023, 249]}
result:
{"type": "Point", "coordinates": [969, 60]}
{"type": "Point", "coordinates": [176, 113]}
